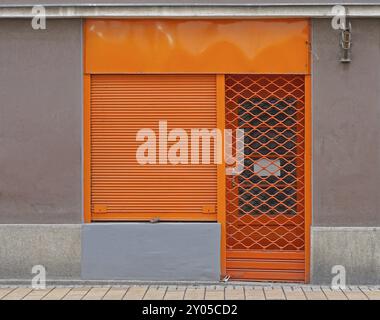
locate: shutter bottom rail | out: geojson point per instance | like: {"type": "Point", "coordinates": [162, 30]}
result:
{"type": "Point", "coordinates": [249, 265]}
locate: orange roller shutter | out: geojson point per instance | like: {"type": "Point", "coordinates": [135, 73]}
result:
{"type": "Point", "coordinates": [121, 188]}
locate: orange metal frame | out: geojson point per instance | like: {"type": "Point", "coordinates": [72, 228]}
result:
{"type": "Point", "coordinates": [98, 58]}
{"type": "Point", "coordinates": [87, 148]}
{"type": "Point", "coordinates": [308, 193]}
{"type": "Point", "coordinates": [220, 101]}
{"type": "Point", "coordinates": [308, 161]}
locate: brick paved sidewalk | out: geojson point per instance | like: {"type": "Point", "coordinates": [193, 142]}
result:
{"type": "Point", "coordinates": [190, 292]}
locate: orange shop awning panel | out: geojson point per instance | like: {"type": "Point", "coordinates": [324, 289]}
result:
{"type": "Point", "coordinates": [197, 46]}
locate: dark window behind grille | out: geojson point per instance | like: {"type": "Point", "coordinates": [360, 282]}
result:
{"type": "Point", "coordinates": [272, 140]}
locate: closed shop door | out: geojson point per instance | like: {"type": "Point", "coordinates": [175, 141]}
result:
{"type": "Point", "coordinates": [121, 187]}
{"type": "Point", "coordinates": [265, 220]}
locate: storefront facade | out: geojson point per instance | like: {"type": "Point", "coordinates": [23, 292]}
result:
{"type": "Point", "coordinates": [85, 96]}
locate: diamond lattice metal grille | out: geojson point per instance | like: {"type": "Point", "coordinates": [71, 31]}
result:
{"type": "Point", "coordinates": [265, 202]}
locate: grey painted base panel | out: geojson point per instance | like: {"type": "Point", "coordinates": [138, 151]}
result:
{"type": "Point", "coordinates": [146, 251]}
{"type": "Point", "coordinates": [357, 249]}
{"type": "Point", "coordinates": [56, 247]}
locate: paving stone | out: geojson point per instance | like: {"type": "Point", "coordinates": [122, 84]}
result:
{"type": "Point", "coordinates": [272, 293]}
{"type": "Point", "coordinates": [371, 294]}
{"type": "Point", "coordinates": [76, 293]}
{"type": "Point", "coordinates": [314, 293]}
{"type": "Point", "coordinates": [135, 293]}
{"type": "Point", "coordinates": [354, 293]}
{"type": "Point", "coordinates": [334, 294]}
{"type": "Point", "coordinates": [17, 294]}
{"type": "Point", "coordinates": [254, 293]}
{"type": "Point", "coordinates": [57, 293]}
{"type": "Point", "coordinates": [174, 293]}
{"type": "Point", "coordinates": [294, 293]}
{"type": "Point", "coordinates": [115, 293]}
{"type": "Point", "coordinates": [4, 291]}
{"type": "Point", "coordinates": [155, 293]}
{"type": "Point", "coordinates": [214, 293]}
{"type": "Point", "coordinates": [195, 293]}
{"type": "Point", "coordinates": [37, 294]}
{"type": "Point", "coordinates": [234, 293]}
{"type": "Point", "coordinates": [96, 293]}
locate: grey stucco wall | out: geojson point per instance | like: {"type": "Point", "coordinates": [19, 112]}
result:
{"type": "Point", "coordinates": [146, 251]}
{"type": "Point", "coordinates": [356, 249]}
{"type": "Point", "coordinates": [56, 247]}
{"type": "Point", "coordinates": [346, 154]}
{"type": "Point", "coordinates": [346, 130]}
{"type": "Point", "coordinates": [40, 122]}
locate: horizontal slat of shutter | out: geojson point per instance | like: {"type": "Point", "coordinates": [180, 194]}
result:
{"type": "Point", "coordinates": [120, 106]}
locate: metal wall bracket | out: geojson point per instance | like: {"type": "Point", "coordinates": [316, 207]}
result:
{"type": "Point", "coordinates": [346, 43]}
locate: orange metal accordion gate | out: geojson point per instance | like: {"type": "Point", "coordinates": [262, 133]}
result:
{"type": "Point", "coordinates": [265, 219]}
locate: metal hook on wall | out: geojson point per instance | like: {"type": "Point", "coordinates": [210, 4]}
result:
{"type": "Point", "coordinates": [346, 43]}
